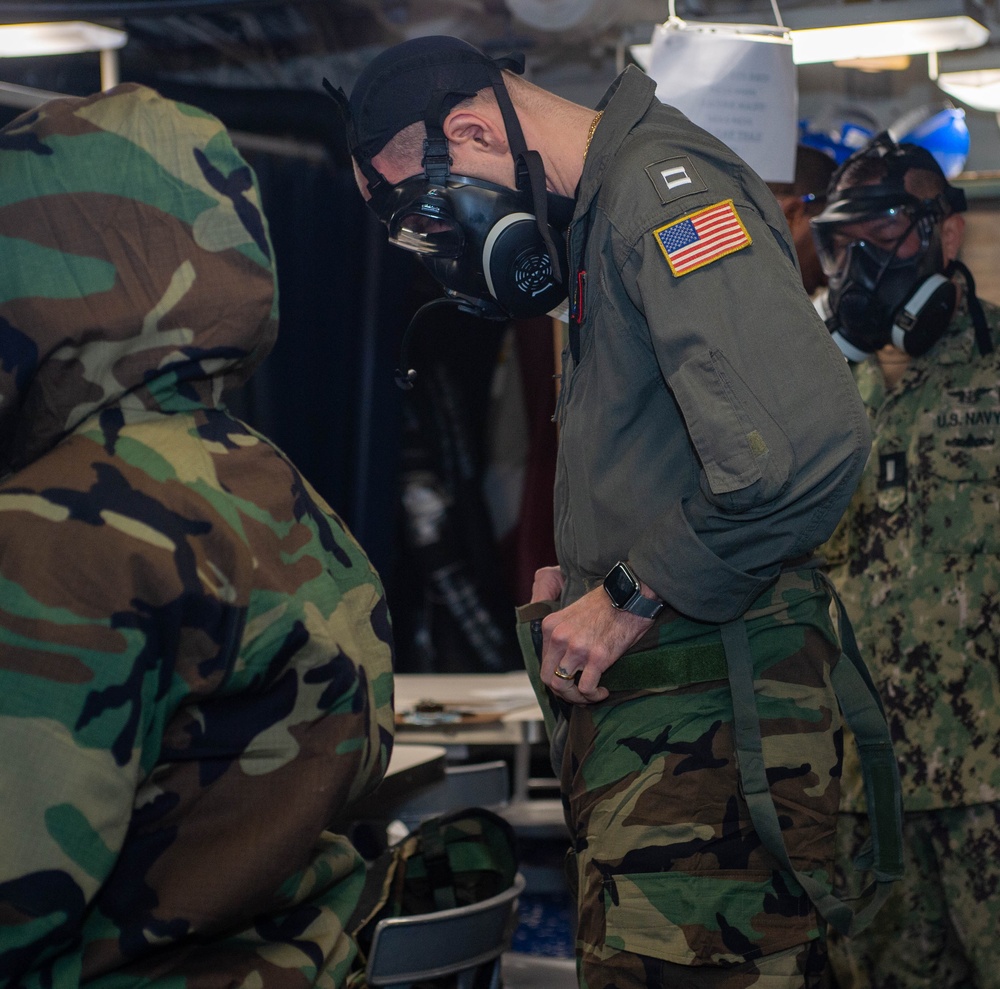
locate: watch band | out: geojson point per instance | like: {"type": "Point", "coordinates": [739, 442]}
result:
{"type": "Point", "coordinates": [643, 606]}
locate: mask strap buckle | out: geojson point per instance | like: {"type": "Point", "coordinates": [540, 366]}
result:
{"type": "Point", "coordinates": [436, 162]}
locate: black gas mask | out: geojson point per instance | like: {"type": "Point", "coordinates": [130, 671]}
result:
{"type": "Point", "coordinates": [491, 248]}
{"type": "Point", "coordinates": [880, 248]}
{"type": "Point", "coordinates": [498, 252]}
{"type": "Point", "coordinates": [482, 242]}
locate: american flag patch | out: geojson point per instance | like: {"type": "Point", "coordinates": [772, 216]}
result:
{"type": "Point", "coordinates": [702, 237]}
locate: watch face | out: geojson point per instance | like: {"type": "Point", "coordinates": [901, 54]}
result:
{"type": "Point", "coordinates": [620, 585]}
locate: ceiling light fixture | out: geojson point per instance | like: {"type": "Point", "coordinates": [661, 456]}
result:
{"type": "Point", "coordinates": [890, 63]}
{"type": "Point", "coordinates": [973, 77]}
{"type": "Point", "coordinates": [882, 29]}
{"type": "Point", "coordinates": [878, 29]}
{"type": "Point", "coordinates": [979, 88]}
{"type": "Point", "coordinates": [57, 38]}
{"type": "Point", "coordinates": [65, 38]}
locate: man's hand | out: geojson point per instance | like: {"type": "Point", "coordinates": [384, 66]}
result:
{"type": "Point", "coordinates": [548, 584]}
{"type": "Point", "coordinates": [586, 638]}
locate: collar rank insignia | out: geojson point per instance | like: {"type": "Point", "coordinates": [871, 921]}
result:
{"type": "Point", "coordinates": [702, 237]}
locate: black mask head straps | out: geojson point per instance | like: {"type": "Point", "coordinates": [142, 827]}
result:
{"type": "Point", "coordinates": [378, 187]}
{"type": "Point", "coordinates": [529, 169]}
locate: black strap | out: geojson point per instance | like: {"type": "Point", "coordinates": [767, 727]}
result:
{"type": "Point", "coordinates": [984, 340]}
{"type": "Point", "coordinates": [863, 712]}
{"type": "Point", "coordinates": [529, 170]}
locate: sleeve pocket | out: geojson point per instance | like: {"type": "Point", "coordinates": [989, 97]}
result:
{"type": "Point", "coordinates": [745, 456]}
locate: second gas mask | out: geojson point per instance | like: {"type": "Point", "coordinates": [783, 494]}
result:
{"type": "Point", "coordinates": [878, 297]}
{"type": "Point", "coordinates": [880, 248]}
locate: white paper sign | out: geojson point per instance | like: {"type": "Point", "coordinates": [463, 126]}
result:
{"type": "Point", "coordinates": [738, 82]}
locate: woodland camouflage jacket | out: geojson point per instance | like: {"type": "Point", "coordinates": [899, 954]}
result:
{"type": "Point", "coordinates": [195, 655]}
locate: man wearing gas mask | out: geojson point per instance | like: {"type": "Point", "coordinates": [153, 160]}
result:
{"type": "Point", "coordinates": [682, 650]}
{"type": "Point", "coordinates": [917, 559]}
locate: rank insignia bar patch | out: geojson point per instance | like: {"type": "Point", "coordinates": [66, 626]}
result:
{"type": "Point", "coordinates": [702, 237]}
{"type": "Point", "coordinates": [674, 178]}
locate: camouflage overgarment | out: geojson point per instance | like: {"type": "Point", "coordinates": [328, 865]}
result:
{"type": "Point", "coordinates": [668, 863]}
{"type": "Point", "coordinates": [945, 909]}
{"type": "Point", "coordinates": [916, 561]}
{"type": "Point", "coordinates": [195, 654]}
{"type": "Point", "coordinates": [803, 967]}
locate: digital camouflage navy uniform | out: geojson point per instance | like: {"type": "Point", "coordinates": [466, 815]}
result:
{"type": "Point", "coordinates": [917, 562]}
{"type": "Point", "coordinates": [695, 444]}
{"type": "Point", "coordinates": [195, 654]}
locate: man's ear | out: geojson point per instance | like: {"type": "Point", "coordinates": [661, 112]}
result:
{"type": "Point", "coordinates": [792, 207]}
{"type": "Point", "coordinates": [952, 233]}
{"type": "Point", "coordinates": [476, 130]}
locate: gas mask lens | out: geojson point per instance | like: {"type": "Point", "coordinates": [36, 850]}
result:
{"type": "Point", "coordinates": [881, 237]}
{"type": "Point", "coordinates": [426, 229]}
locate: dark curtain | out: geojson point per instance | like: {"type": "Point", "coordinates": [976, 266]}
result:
{"type": "Point", "coordinates": [455, 606]}
{"type": "Point", "coordinates": [325, 394]}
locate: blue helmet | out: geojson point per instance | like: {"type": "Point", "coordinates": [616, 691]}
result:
{"type": "Point", "coordinates": [941, 129]}
{"type": "Point", "coordinates": [838, 133]}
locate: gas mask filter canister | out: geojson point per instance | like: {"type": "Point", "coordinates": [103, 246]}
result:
{"type": "Point", "coordinates": [481, 242]}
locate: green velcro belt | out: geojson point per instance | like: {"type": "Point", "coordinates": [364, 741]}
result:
{"type": "Point", "coordinates": [667, 666]}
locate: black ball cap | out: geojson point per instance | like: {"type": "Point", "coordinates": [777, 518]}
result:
{"type": "Point", "coordinates": [395, 88]}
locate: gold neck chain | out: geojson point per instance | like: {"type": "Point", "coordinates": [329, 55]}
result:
{"type": "Point", "coordinates": [590, 133]}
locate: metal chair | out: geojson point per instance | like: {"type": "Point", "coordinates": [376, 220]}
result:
{"type": "Point", "coordinates": [481, 784]}
{"type": "Point", "coordinates": [463, 944]}
{"type": "Point", "coordinates": [537, 818]}
{"type": "Point", "coordinates": [520, 971]}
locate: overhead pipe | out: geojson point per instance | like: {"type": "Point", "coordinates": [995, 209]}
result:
{"type": "Point", "coordinates": [13, 11]}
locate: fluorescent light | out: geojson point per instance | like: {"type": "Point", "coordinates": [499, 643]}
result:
{"type": "Point", "coordinates": [886, 38]}
{"type": "Point", "coordinates": [57, 38]}
{"type": "Point", "coordinates": [875, 30]}
{"type": "Point", "coordinates": [979, 88]}
{"type": "Point", "coordinates": [942, 30]}
{"type": "Point", "coordinates": [889, 63]}
{"type": "Point", "coordinates": [972, 77]}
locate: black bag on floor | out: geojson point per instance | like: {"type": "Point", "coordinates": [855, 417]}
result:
{"type": "Point", "coordinates": [449, 861]}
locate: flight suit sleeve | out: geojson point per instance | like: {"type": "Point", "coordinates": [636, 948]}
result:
{"type": "Point", "coordinates": [773, 417]}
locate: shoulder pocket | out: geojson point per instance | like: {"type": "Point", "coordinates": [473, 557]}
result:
{"type": "Point", "coordinates": [745, 455]}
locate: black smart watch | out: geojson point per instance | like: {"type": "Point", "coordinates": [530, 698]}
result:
{"type": "Point", "coordinates": [625, 591]}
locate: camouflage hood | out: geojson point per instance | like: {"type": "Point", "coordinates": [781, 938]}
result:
{"type": "Point", "coordinates": [136, 272]}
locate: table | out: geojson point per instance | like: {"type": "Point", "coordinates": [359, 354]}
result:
{"type": "Point", "coordinates": [518, 723]}
{"type": "Point", "coordinates": [410, 767]}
